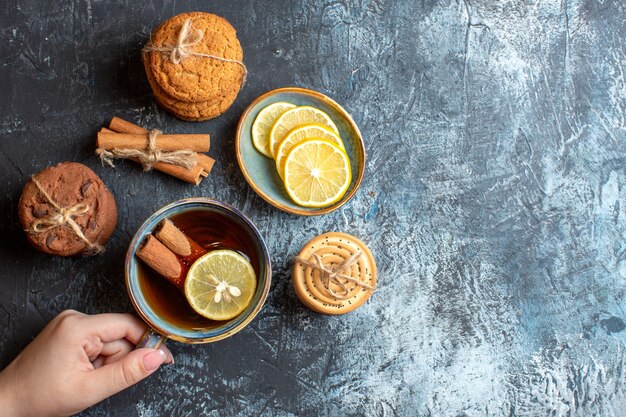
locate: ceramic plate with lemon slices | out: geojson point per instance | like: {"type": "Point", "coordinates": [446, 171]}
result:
{"type": "Point", "coordinates": [300, 151]}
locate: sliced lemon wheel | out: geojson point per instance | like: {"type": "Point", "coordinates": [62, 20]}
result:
{"type": "Point", "coordinates": [263, 124]}
{"type": "Point", "coordinates": [317, 173]}
{"type": "Point", "coordinates": [300, 134]}
{"type": "Point", "coordinates": [220, 284]}
{"type": "Point", "coordinates": [300, 116]}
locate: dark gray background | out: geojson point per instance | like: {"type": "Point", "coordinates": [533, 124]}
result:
{"type": "Point", "coordinates": [494, 201]}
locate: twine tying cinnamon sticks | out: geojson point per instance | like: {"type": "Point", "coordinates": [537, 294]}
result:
{"type": "Point", "coordinates": [178, 155]}
{"type": "Point", "coordinates": [151, 155]}
{"type": "Point", "coordinates": [61, 217]}
{"type": "Point", "coordinates": [332, 275]}
{"type": "Point", "coordinates": [189, 37]}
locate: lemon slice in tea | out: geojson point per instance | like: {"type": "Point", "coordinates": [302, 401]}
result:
{"type": "Point", "coordinates": [220, 284]}
{"type": "Point", "coordinates": [317, 173]}
{"type": "Point", "coordinates": [263, 124]}
{"type": "Point", "coordinates": [300, 134]}
{"type": "Point", "coordinates": [300, 116]}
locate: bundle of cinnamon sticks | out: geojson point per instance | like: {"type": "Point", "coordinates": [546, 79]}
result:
{"type": "Point", "coordinates": [124, 137]}
{"type": "Point", "coordinates": [170, 252]}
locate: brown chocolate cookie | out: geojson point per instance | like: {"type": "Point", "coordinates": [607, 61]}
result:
{"type": "Point", "coordinates": [58, 195]}
{"type": "Point", "coordinates": [197, 78]}
{"type": "Point", "coordinates": [200, 111]}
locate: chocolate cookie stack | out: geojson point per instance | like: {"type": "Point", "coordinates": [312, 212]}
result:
{"type": "Point", "coordinates": [194, 64]}
{"type": "Point", "coordinates": [67, 210]}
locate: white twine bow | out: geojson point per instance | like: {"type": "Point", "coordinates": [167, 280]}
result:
{"type": "Point", "coordinates": [188, 37]}
{"type": "Point", "coordinates": [332, 275]}
{"type": "Point", "coordinates": [61, 217]}
{"type": "Point", "coordinates": [151, 155]}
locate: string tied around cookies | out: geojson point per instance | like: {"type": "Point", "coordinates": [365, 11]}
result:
{"type": "Point", "coordinates": [150, 155]}
{"type": "Point", "coordinates": [332, 274]}
{"type": "Point", "coordinates": [188, 37]}
{"type": "Point", "coordinates": [63, 216]}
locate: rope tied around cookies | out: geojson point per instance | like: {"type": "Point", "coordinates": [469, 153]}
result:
{"type": "Point", "coordinates": [150, 155]}
{"type": "Point", "coordinates": [188, 37]}
{"type": "Point", "coordinates": [332, 275]}
{"type": "Point", "coordinates": [63, 216]}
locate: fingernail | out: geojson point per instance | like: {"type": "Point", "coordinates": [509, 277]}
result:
{"type": "Point", "coordinates": [170, 357]}
{"type": "Point", "coordinates": [154, 359]}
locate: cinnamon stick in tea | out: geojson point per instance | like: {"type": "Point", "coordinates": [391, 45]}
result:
{"type": "Point", "coordinates": [178, 242]}
{"type": "Point", "coordinates": [158, 257]}
{"type": "Point", "coordinates": [170, 252]}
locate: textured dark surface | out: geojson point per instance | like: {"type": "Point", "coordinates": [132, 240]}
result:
{"type": "Point", "coordinates": [494, 202]}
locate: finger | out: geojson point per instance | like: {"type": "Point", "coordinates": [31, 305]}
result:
{"type": "Point", "coordinates": [116, 350]}
{"type": "Point", "coordinates": [132, 368]}
{"type": "Point", "coordinates": [111, 326]}
{"type": "Point", "coordinates": [98, 362]}
{"type": "Point", "coordinates": [68, 312]}
{"type": "Point", "coordinates": [55, 322]}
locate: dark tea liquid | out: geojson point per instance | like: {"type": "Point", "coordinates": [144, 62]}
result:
{"type": "Point", "coordinates": [212, 230]}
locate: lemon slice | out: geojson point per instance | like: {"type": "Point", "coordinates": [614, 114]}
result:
{"type": "Point", "coordinates": [317, 173]}
{"type": "Point", "coordinates": [300, 134]}
{"type": "Point", "coordinates": [263, 124]}
{"type": "Point", "coordinates": [220, 284]}
{"type": "Point", "coordinates": [303, 115]}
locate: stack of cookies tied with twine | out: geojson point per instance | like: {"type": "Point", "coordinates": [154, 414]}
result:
{"type": "Point", "coordinates": [194, 64]}
{"type": "Point", "coordinates": [334, 273]}
{"type": "Point", "coordinates": [67, 210]}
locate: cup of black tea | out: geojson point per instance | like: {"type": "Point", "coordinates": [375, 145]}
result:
{"type": "Point", "coordinates": [214, 226]}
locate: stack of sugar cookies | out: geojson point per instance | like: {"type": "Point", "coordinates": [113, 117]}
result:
{"type": "Point", "coordinates": [194, 64]}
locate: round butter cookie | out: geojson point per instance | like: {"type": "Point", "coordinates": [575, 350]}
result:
{"type": "Point", "coordinates": [329, 288]}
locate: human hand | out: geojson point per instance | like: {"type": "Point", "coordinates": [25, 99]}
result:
{"type": "Point", "coordinates": [76, 361]}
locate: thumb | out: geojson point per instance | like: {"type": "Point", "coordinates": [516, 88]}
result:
{"type": "Point", "coordinates": [115, 377]}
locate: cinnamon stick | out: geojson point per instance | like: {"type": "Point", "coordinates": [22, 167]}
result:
{"type": "Point", "coordinates": [206, 162]}
{"type": "Point", "coordinates": [178, 242]}
{"type": "Point", "coordinates": [173, 238]}
{"type": "Point", "coordinates": [196, 143]}
{"type": "Point", "coordinates": [122, 126]}
{"type": "Point", "coordinates": [158, 257]}
{"type": "Point", "coordinates": [170, 252]}
{"type": "Point", "coordinates": [192, 176]}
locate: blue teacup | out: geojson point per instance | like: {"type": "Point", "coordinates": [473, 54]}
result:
{"type": "Point", "coordinates": [164, 324]}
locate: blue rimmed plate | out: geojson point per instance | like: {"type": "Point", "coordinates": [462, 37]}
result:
{"type": "Point", "coordinates": [260, 171]}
